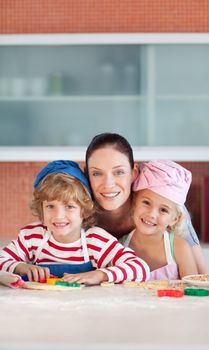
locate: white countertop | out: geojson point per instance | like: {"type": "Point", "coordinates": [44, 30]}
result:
{"type": "Point", "coordinates": [39, 153]}
{"type": "Point", "coordinates": [102, 318]}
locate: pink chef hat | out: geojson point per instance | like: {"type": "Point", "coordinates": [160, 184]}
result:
{"type": "Point", "coordinates": [166, 178]}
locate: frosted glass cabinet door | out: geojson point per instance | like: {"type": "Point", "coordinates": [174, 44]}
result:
{"type": "Point", "coordinates": [65, 94]}
{"type": "Point", "coordinates": [182, 95]}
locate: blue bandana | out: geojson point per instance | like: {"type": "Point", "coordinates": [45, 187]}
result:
{"type": "Point", "coordinates": [65, 167]}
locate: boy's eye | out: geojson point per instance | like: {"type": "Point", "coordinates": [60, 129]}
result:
{"type": "Point", "coordinates": [145, 202]}
{"type": "Point", "coordinates": [49, 206]}
{"type": "Point", "coordinates": [70, 206]}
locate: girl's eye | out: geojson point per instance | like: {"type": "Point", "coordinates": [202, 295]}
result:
{"type": "Point", "coordinates": [164, 210]}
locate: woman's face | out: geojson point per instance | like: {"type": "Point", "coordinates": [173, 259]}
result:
{"type": "Point", "coordinates": [111, 177]}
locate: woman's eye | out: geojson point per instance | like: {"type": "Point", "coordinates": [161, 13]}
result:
{"type": "Point", "coordinates": [120, 172]}
{"type": "Point", "coordinates": [96, 173]}
{"type": "Point", "coordinates": [145, 202]}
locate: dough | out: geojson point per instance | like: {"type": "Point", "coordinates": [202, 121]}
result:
{"type": "Point", "coordinates": [131, 284]}
{"type": "Point", "coordinates": [45, 286]}
{"type": "Point", "coordinates": [155, 284]}
{"type": "Point", "coordinates": [162, 284]}
{"type": "Point", "coordinates": [107, 284]}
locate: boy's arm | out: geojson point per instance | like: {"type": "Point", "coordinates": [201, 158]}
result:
{"type": "Point", "coordinates": [124, 265]}
{"type": "Point", "coordinates": [184, 257]}
{"type": "Point", "coordinates": [117, 262]}
{"type": "Point", "coordinates": [9, 258]}
{"type": "Point", "coordinates": [14, 253]}
{"type": "Point", "coordinates": [127, 267]}
{"type": "Point", "coordinates": [89, 278]}
{"type": "Point", "coordinates": [17, 258]}
{"type": "Point", "coordinates": [33, 272]}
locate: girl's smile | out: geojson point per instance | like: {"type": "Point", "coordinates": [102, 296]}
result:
{"type": "Point", "coordinates": [153, 214]}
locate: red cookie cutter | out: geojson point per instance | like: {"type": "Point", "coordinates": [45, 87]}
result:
{"type": "Point", "coordinates": [174, 293]}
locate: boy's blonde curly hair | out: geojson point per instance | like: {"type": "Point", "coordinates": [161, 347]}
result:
{"type": "Point", "coordinates": [63, 188]}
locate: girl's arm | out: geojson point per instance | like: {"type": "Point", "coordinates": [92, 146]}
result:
{"type": "Point", "coordinates": [184, 257]}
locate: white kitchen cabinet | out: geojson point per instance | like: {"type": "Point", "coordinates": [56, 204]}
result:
{"type": "Point", "coordinates": [61, 90]}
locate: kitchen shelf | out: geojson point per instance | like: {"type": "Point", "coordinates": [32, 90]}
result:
{"type": "Point", "coordinates": [45, 154]}
{"type": "Point", "coordinates": [121, 98]}
{"type": "Point", "coordinates": [182, 97]}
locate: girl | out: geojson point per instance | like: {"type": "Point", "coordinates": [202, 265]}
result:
{"type": "Point", "coordinates": [59, 244]}
{"type": "Point", "coordinates": [161, 189]}
{"type": "Point", "coordinates": [111, 170]}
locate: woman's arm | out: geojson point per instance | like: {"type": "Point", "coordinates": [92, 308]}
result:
{"type": "Point", "coordinates": [194, 243]}
{"type": "Point", "coordinates": [199, 258]}
{"type": "Point", "coordinates": [184, 257]}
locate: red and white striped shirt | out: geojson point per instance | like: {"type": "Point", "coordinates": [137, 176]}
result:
{"type": "Point", "coordinates": [105, 253]}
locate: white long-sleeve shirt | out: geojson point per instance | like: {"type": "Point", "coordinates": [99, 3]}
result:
{"type": "Point", "coordinates": [105, 253]}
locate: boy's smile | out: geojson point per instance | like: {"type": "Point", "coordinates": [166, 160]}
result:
{"type": "Point", "coordinates": [64, 221]}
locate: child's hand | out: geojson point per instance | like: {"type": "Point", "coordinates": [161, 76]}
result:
{"type": "Point", "coordinates": [34, 273]}
{"type": "Point", "coordinates": [89, 278]}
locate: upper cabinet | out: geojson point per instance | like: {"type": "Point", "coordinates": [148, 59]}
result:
{"type": "Point", "coordinates": [62, 90]}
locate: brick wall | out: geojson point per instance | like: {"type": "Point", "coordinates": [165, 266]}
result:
{"type": "Point", "coordinates": [103, 16]}
{"type": "Point", "coordinates": [16, 188]}
{"type": "Point", "coordinates": [91, 16]}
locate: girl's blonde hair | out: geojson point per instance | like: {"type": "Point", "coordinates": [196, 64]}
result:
{"type": "Point", "coordinates": [181, 226]}
{"type": "Point", "coordinates": [63, 188]}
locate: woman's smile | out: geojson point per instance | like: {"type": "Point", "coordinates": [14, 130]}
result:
{"type": "Point", "coordinates": [111, 177]}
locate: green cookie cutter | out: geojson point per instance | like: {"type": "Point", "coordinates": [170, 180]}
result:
{"type": "Point", "coordinates": [196, 292]}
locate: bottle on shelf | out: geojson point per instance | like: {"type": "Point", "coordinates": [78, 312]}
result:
{"type": "Point", "coordinates": [56, 86]}
{"type": "Point", "coordinates": [108, 81]}
{"type": "Point", "coordinates": [130, 79]}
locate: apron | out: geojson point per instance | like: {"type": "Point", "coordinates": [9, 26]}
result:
{"type": "Point", "coordinates": [58, 269]}
{"type": "Point", "coordinates": [169, 271]}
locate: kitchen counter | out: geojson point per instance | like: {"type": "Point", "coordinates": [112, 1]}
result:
{"type": "Point", "coordinates": [39, 153]}
{"type": "Point", "coordinates": [115, 317]}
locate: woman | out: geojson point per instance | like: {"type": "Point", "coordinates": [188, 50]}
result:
{"type": "Point", "coordinates": [111, 170]}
